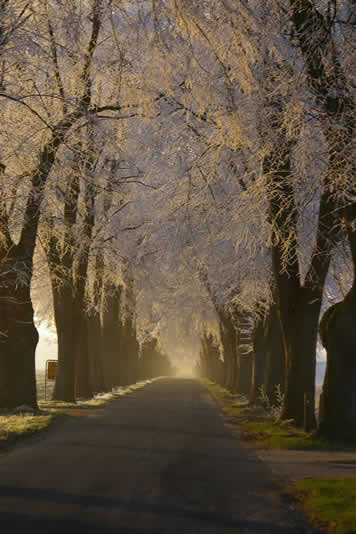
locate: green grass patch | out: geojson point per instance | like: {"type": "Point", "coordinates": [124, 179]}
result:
{"type": "Point", "coordinates": [342, 461]}
{"type": "Point", "coordinates": [13, 427]}
{"type": "Point", "coordinates": [232, 405]}
{"type": "Point", "coordinates": [255, 425]}
{"type": "Point", "coordinates": [345, 461]}
{"type": "Point", "coordinates": [274, 435]}
{"type": "Point", "coordinates": [50, 405]}
{"type": "Point", "coordinates": [329, 503]}
{"type": "Point", "coordinates": [261, 430]}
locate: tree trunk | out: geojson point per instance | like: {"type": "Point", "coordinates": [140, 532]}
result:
{"type": "Point", "coordinates": [243, 376]}
{"type": "Point", "coordinates": [337, 414]}
{"type": "Point", "coordinates": [258, 362]}
{"type": "Point", "coordinates": [332, 93]}
{"type": "Point", "coordinates": [83, 385]}
{"type": "Point", "coordinates": [95, 338]}
{"type": "Point", "coordinates": [95, 356]}
{"type": "Point", "coordinates": [122, 352]}
{"type": "Point", "coordinates": [20, 337]}
{"type": "Point", "coordinates": [18, 341]}
{"type": "Point", "coordinates": [275, 359]}
{"type": "Point", "coordinates": [227, 370]}
{"type": "Point", "coordinates": [337, 417]}
{"type": "Point", "coordinates": [209, 356]}
{"type": "Point", "coordinates": [60, 257]}
{"type": "Point", "coordinates": [67, 325]}
{"type": "Point", "coordinates": [299, 305]}
{"type": "Point", "coordinates": [110, 336]}
{"type": "Point", "coordinates": [135, 348]}
{"type": "Point", "coordinates": [228, 341]}
{"type": "Point", "coordinates": [300, 330]}
{"type": "Point", "coordinates": [18, 334]}
{"type": "Point", "coordinates": [131, 347]}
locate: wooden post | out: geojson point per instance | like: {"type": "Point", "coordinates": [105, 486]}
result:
{"type": "Point", "coordinates": [51, 372]}
{"type": "Point", "coordinates": [306, 413]}
{"type": "Point", "coordinates": [46, 380]}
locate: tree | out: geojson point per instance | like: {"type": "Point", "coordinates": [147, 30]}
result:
{"type": "Point", "coordinates": [219, 204]}
{"type": "Point", "coordinates": [153, 362]}
{"type": "Point", "coordinates": [210, 363]}
{"type": "Point", "coordinates": [323, 42]}
{"type": "Point", "coordinates": [51, 107]}
{"type": "Point", "coordinates": [273, 99]}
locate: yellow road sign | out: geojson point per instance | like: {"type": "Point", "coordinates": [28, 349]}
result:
{"type": "Point", "coordinates": [51, 369]}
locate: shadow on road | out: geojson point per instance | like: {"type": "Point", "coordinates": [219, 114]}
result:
{"type": "Point", "coordinates": [21, 522]}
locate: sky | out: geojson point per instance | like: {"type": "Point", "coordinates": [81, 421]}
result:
{"type": "Point", "coordinates": [46, 348]}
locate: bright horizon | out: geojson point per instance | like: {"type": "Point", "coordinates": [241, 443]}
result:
{"type": "Point", "coordinates": [46, 348]}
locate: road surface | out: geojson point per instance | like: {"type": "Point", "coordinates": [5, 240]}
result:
{"type": "Point", "coordinates": [158, 461]}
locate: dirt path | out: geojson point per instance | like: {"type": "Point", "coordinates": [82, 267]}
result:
{"type": "Point", "coordinates": [298, 465]}
{"type": "Point", "coordinates": [158, 461]}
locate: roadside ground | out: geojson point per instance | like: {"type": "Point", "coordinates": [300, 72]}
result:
{"type": "Point", "coordinates": [157, 461]}
{"type": "Point", "coordinates": [318, 476]}
{"type": "Point", "coordinates": [23, 421]}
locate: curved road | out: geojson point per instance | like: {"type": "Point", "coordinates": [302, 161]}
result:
{"type": "Point", "coordinates": [157, 461]}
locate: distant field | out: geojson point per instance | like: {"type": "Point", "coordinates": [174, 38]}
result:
{"type": "Point", "coordinates": [40, 378]}
{"type": "Point", "coordinates": [317, 396]}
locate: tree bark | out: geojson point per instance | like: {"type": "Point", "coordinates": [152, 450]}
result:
{"type": "Point", "coordinates": [328, 82]}
{"type": "Point", "coordinates": [337, 412]}
{"type": "Point", "coordinates": [245, 375]}
{"type": "Point", "coordinates": [337, 416]}
{"type": "Point", "coordinates": [16, 316]}
{"type": "Point", "coordinates": [60, 258]}
{"type": "Point", "coordinates": [228, 341]}
{"type": "Point", "coordinates": [110, 335]}
{"type": "Point", "coordinates": [67, 321]}
{"type": "Point", "coordinates": [123, 351]}
{"type": "Point", "coordinates": [300, 330]}
{"type": "Point", "coordinates": [227, 370]}
{"type": "Point", "coordinates": [95, 355]}
{"type": "Point", "coordinates": [18, 336]}
{"type": "Point", "coordinates": [298, 304]}
{"type": "Point", "coordinates": [133, 344]}
{"type": "Point", "coordinates": [275, 358]}
{"type": "Point", "coordinates": [83, 383]}
{"type": "Point", "coordinates": [258, 361]}
{"type": "Point", "coordinates": [131, 347]}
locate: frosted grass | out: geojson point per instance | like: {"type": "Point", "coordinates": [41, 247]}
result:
{"type": "Point", "coordinates": [99, 399]}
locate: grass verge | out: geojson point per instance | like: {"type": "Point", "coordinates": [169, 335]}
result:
{"type": "Point", "coordinates": [261, 430]}
{"type": "Point", "coordinates": [99, 400]}
{"type": "Point", "coordinates": [329, 503]}
{"type": "Point", "coordinates": [341, 461]}
{"type": "Point", "coordinates": [254, 424]}
{"type": "Point", "coordinates": [13, 427]}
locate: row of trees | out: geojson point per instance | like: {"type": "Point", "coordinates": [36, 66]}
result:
{"type": "Point", "coordinates": [67, 186]}
{"type": "Point", "coordinates": [268, 97]}
{"type": "Point", "coordinates": [205, 178]}
{"type": "Point", "coordinates": [153, 361]}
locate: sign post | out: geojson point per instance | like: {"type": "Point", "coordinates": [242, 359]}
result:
{"type": "Point", "coordinates": [51, 372]}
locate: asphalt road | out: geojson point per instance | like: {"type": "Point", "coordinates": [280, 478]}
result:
{"type": "Point", "coordinates": [157, 461]}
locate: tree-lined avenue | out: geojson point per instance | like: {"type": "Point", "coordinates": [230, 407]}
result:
{"type": "Point", "coordinates": [158, 461]}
